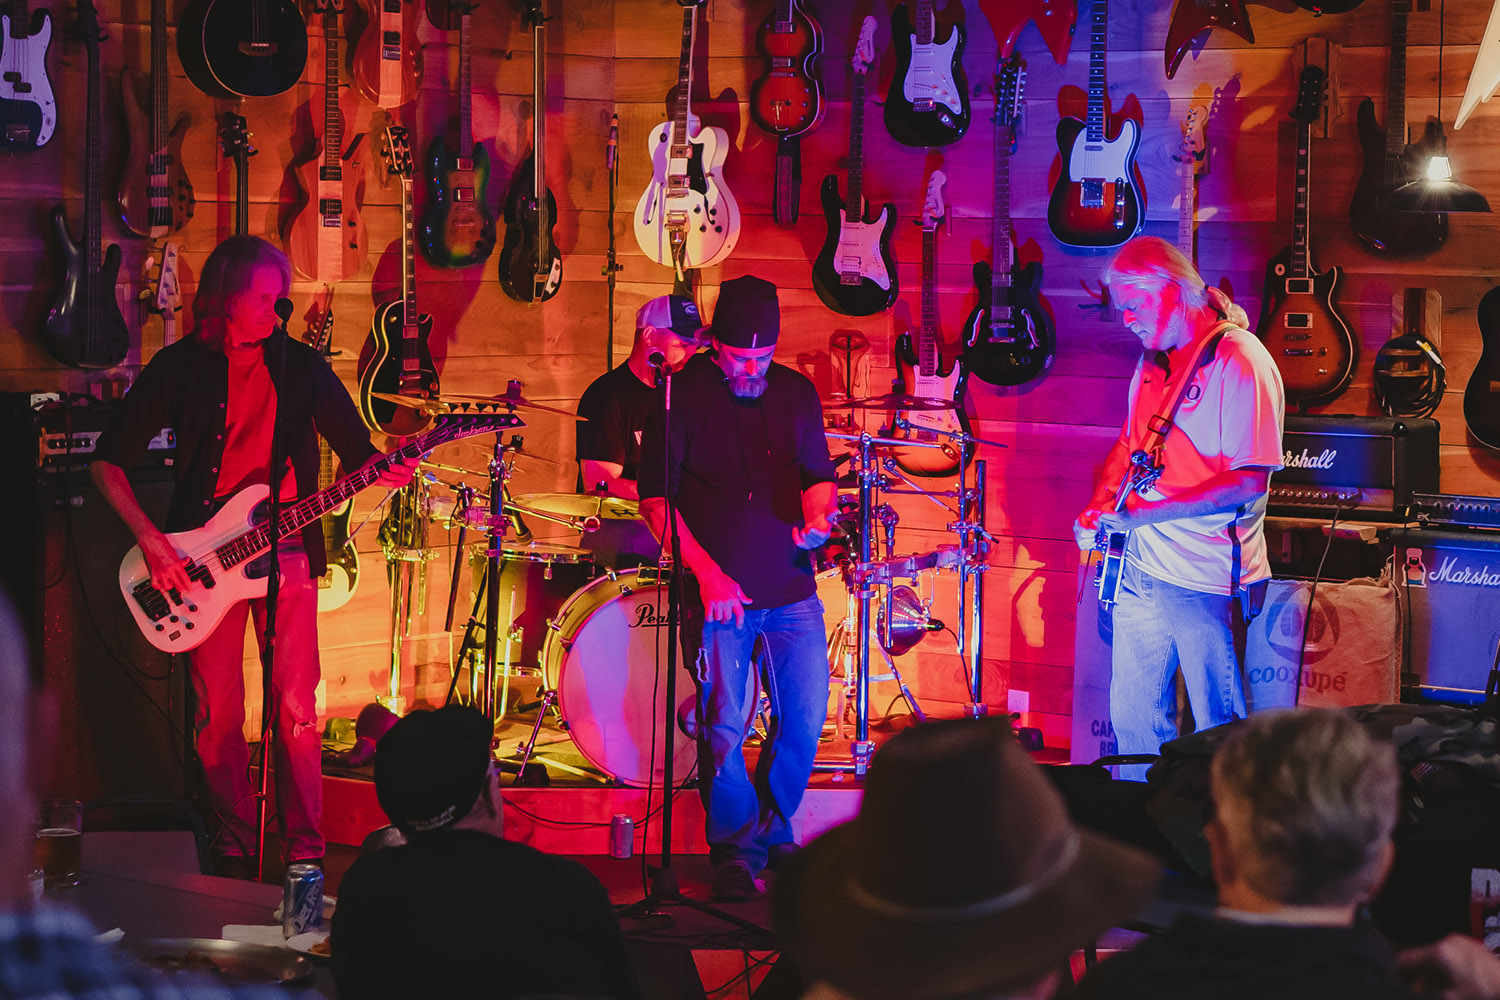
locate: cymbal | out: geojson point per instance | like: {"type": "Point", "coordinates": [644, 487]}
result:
{"type": "Point", "coordinates": [577, 505]}
{"type": "Point", "coordinates": [431, 405]}
{"type": "Point", "coordinates": [894, 401]}
{"type": "Point", "coordinates": [519, 402]}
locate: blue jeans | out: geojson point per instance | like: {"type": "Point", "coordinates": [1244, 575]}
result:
{"type": "Point", "coordinates": [785, 649]}
{"type": "Point", "coordinates": [1160, 628]}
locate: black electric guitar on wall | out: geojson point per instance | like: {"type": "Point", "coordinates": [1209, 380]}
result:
{"type": "Point", "coordinates": [855, 273]}
{"type": "Point", "coordinates": [1312, 344]}
{"type": "Point", "coordinates": [928, 103]}
{"type": "Point", "coordinates": [458, 227]}
{"type": "Point", "coordinates": [1390, 162]}
{"type": "Point", "coordinates": [401, 363]}
{"type": "Point", "coordinates": [1008, 338]}
{"type": "Point", "coordinates": [242, 48]}
{"type": "Point", "coordinates": [28, 109]}
{"type": "Point", "coordinates": [920, 367]}
{"type": "Point", "coordinates": [84, 326]}
{"type": "Point", "coordinates": [530, 264]}
{"type": "Point", "coordinates": [1482, 393]}
{"type": "Point", "coordinates": [337, 583]}
{"type": "Point", "coordinates": [1097, 201]}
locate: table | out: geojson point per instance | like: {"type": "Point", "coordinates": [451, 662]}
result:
{"type": "Point", "coordinates": [148, 885]}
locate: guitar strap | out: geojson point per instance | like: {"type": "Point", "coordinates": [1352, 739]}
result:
{"type": "Point", "coordinates": [1160, 425]}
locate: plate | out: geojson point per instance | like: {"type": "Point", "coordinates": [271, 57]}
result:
{"type": "Point", "coordinates": [304, 943]}
{"type": "Point", "coordinates": [236, 959]}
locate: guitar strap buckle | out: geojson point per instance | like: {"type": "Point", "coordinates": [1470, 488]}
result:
{"type": "Point", "coordinates": [1159, 424]}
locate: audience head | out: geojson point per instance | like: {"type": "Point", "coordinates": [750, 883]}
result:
{"type": "Point", "coordinates": [1305, 803]}
{"type": "Point", "coordinates": [433, 772]}
{"type": "Point", "coordinates": [962, 876]}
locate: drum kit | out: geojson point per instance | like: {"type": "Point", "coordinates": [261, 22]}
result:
{"type": "Point", "coordinates": [588, 619]}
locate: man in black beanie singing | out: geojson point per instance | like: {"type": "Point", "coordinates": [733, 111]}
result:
{"type": "Point", "coordinates": [747, 465]}
{"type": "Point", "coordinates": [456, 911]}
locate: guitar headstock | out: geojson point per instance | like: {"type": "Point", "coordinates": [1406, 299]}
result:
{"type": "Point", "coordinates": [535, 16]}
{"type": "Point", "coordinates": [397, 151]}
{"type": "Point", "coordinates": [168, 289]}
{"type": "Point", "coordinates": [934, 209]}
{"type": "Point", "coordinates": [234, 138]}
{"type": "Point", "coordinates": [320, 334]}
{"type": "Point", "coordinates": [1010, 79]}
{"type": "Point", "coordinates": [1312, 88]}
{"type": "Point", "coordinates": [1192, 136]}
{"type": "Point", "coordinates": [864, 49]}
{"type": "Point", "coordinates": [328, 6]}
{"type": "Point", "coordinates": [88, 26]}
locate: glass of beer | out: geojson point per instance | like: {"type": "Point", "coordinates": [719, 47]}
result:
{"type": "Point", "coordinates": [59, 841]}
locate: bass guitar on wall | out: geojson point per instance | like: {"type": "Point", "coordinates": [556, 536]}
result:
{"type": "Point", "coordinates": [28, 109]}
{"type": "Point", "coordinates": [1008, 338]}
{"type": "Point", "coordinates": [787, 100]}
{"type": "Point", "coordinates": [401, 362]}
{"type": "Point", "coordinates": [156, 198]}
{"type": "Point", "coordinates": [530, 264]}
{"type": "Point", "coordinates": [458, 226]}
{"type": "Point", "coordinates": [855, 273]}
{"type": "Point", "coordinates": [928, 103]}
{"type": "Point", "coordinates": [1300, 324]}
{"type": "Point", "coordinates": [920, 366]}
{"type": "Point", "coordinates": [1097, 202]}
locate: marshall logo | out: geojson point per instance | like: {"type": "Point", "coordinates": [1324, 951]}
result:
{"type": "Point", "coordinates": [1449, 571]}
{"type": "Point", "coordinates": [646, 617]}
{"type": "Point", "coordinates": [1307, 460]}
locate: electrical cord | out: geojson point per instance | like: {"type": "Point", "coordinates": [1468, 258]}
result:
{"type": "Point", "coordinates": [1312, 593]}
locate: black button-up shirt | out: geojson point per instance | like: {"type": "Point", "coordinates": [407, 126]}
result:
{"type": "Point", "coordinates": [186, 387]}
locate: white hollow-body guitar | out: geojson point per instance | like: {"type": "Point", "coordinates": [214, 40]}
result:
{"type": "Point", "coordinates": [687, 217]}
{"type": "Point", "coordinates": [227, 558]}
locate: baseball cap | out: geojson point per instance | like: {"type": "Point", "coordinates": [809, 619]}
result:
{"type": "Point", "coordinates": [677, 313]}
{"type": "Point", "coordinates": [431, 767]}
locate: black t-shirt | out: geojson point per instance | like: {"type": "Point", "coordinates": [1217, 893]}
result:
{"type": "Point", "coordinates": [461, 913]}
{"type": "Point", "coordinates": [615, 405]}
{"type": "Point", "coordinates": [739, 467]}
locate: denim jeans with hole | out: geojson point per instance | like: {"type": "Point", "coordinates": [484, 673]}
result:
{"type": "Point", "coordinates": [1160, 628]}
{"type": "Point", "coordinates": [786, 650]}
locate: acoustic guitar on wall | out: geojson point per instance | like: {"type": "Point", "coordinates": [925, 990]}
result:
{"type": "Point", "coordinates": [242, 48]}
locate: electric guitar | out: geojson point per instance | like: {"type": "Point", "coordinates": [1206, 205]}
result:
{"type": "Point", "coordinates": [1054, 19]}
{"type": "Point", "coordinates": [458, 227]}
{"type": "Point", "coordinates": [687, 217]}
{"type": "Point", "coordinates": [227, 557]}
{"type": "Point", "coordinates": [530, 264]}
{"type": "Point", "coordinates": [168, 299]}
{"type": "Point", "coordinates": [1482, 393]}
{"type": "Point", "coordinates": [84, 327]}
{"type": "Point", "coordinates": [928, 103]}
{"type": "Point", "coordinates": [387, 61]}
{"type": "Point", "coordinates": [1139, 477]}
{"type": "Point", "coordinates": [338, 581]}
{"type": "Point", "coordinates": [787, 100]}
{"type": "Point", "coordinates": [242, 48]}
{"type": "Point", "coordinates": [28, 109]}
{"type": "Point", "coordinates": [920, 369]}
{"type": "Point", "coordinates": [234, 140]}
{"type": "Point", "coordinates": [1189, 156]}
{"type": "Point", "coordinates": [1008, 338]}
{"type": "Point", "coordinates": [156, 197]}
{"type": "Point", "coordinates": [401, 363]}
{"type": "Point", "coordinates": [1190, 18]}
{"type": "Point", "coordinates": [326, 240]}
{"type": "Point", "coordinates": [1299, 320]}
{"type": "Point", "coordinates": [1390, 162]}
{"type": "Point", "coordinates": [855, 273]}
{"type": "Point", "coordinates": [1097, 201]}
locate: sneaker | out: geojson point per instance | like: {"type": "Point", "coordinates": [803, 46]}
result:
{"type": "Point", "coordinates": [778, 855]}
{"type": "Point", "coordinates": [735, 882]}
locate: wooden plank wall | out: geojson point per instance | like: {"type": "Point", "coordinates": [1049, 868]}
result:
{"type": "Point", "coordinates": [622, 56]}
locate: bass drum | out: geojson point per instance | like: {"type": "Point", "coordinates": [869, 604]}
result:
{"type": "Point", "coordinates": [600, 657]}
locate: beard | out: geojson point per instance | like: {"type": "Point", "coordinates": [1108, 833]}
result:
{"type": "Point", "coordinates": [748, 386]}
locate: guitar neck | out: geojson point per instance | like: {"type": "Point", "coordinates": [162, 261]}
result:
{"type": "Point", "coordinates": [1300, 209]}
{"type": "Point", "coordinates": [1098, 38]}
{"type": "Point", "coordinates": [1185, 212]}
{"type": "Point", "coordinates": [465, 95]}
{"type": "Point", "coordinates": [783, 24]}
{"type": "Point", "coordinates": [926, 21]}
{"type": "Point", "coordinates": [158, 86]}
{"type": "Point", "coordinates": [92, 228]}
{"type": "Point", "coordinates": [241, 195]}
{"type": "Point", "coordinates": [854, 205]}
{"type": "Point", "coordinates": [1000, 275]}
{"type": "Point", "coordinates": [927, 352]}
{"type": "Point", "coordinates": [539, 143]}
{"type": "Point", "coordinates": [20, 18]}
{"type": "Point", "coordinates": [1395, 114]}
{"type": "Point", "coordinates": [409, 312]}
{"type": "Point", "coordinates": [333, 124]}
{"type": "Point", "coordinates": [684, 84]}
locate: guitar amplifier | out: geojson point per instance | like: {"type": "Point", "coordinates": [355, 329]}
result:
{"type": "Point", "coordinates": [1366, 468]}
{"type": "Point", "coordinates": [1452, 510]}
{"type": "Point", "coordinates": [1450, 582]}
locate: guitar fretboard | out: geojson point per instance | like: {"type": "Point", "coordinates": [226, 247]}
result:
{"type": "Point", "coordinates": [159, 212]}
{"type": "Point", "coordinates": [1098, 37]}
{"type": "Point", "coordinates": [926, 21]}
{"type": "Point", "coordinates": [1300, 213]}
{"type": "Point", "coordinates": [854, 205]}
{"type": "Point", "coordinates": [92, 227]}
{"type": "Point", "coordinates": [539, 150]}
{"type": "Point", "coordinates": [333, 124]}
{"type": "Point", "coordinates": [927, 352]}
{"type": "Point", "coordinates": [1395, 114]}
{"type": "Point", "coordinates": [1000, 276]}
{"type": "Point", "coordinates": [680, 149]}
{"type": "Point", "coordinates": [465, 98]}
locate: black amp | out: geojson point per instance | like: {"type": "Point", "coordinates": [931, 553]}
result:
{"type": "Point", "coordinates": [1366, 468]}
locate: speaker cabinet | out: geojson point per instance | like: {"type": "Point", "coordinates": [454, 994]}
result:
{"type": "Point", "coordinates": [1450, 586]}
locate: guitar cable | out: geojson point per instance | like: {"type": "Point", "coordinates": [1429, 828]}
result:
{"type": "Point", "coordinates": [1312, 593]}
{"type": "Point", "coordinates": [1409, 376]}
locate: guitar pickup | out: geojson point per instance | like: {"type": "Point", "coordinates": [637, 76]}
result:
{"type": "Point", "coordinates": [1299, 286]}
{"type": "Point", "coordinates": [463, 194]}
{"type": "Point", "coordinates": [923, 105]}
{"type": "Point", "coordinates": [330, 174]}
{"type": "Point", "coordinates": [1298, 321]}
{"type": "Point", "coordinates": [390, 46]}
{"type": "Point", "coordinates": [1298, 336]}
{"type": "Point", "coordinates": [1091, 192]}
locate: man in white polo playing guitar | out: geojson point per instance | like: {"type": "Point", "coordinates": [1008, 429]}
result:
{"type": "Point", "coordinates": [219, 390]}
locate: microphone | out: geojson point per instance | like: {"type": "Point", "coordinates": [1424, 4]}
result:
{"type": "Point", "coordinates": [284, 309]}
{"type": "Point", "coordinates": [611, 148]}
{"type": "Point", "coordinates": [656, 360]}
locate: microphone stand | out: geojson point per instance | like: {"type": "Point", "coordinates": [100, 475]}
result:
{"type": "Point", "coordinates": [664, 887]}
{"type": "Point", "coordinates": [268, 708]}
{"type": "Point", "coordinates": [611, 266]}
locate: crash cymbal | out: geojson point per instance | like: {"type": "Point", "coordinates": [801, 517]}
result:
{"type": "Point", "coordinates": [432, 405]}
{"type": "Point", "coordinates": [518, 402]}
{"type": "Point", "coordinates": [577, 505]}
{"type": "Point", "coordinates": [897, 401]}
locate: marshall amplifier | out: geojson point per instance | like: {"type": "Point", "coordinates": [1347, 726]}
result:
{"type": "Point", "coordinates": [1365, 467]}
{"type": "Point", "coordinates": [1450, 584]}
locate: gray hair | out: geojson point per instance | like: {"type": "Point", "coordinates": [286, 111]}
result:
{"type": "Point", "coordinates": [1318, 799]}
{"type": "Point", "coordinates": [1153, 262]}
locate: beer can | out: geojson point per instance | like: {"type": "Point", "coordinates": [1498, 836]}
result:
{"type": "Point", "coordinates": [621, 836]}
{"type": "Point", "coordinates": [302, 900]}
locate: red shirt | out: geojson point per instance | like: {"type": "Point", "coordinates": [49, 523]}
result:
{"type": "Point", "coordinates": [249, 419]}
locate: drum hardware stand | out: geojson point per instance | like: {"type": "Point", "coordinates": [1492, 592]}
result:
{"type": "Point", "coordinates": [403, 539]}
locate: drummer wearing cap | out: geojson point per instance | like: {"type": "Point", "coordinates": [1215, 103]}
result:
{"type": "Point", "coordinates": [749, 471]}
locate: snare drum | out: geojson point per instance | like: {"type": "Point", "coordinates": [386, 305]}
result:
{"type": "Point", "coordinates": [541, 577]}
{"type": "Point", "coordinates": [600, 657]}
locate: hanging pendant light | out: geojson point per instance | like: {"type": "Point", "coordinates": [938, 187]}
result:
{"type": "Point", "coordinates": [1437, 191]}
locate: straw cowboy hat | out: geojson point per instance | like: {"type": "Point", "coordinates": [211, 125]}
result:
{"type": "Point", "coordinates": [962, 874]}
